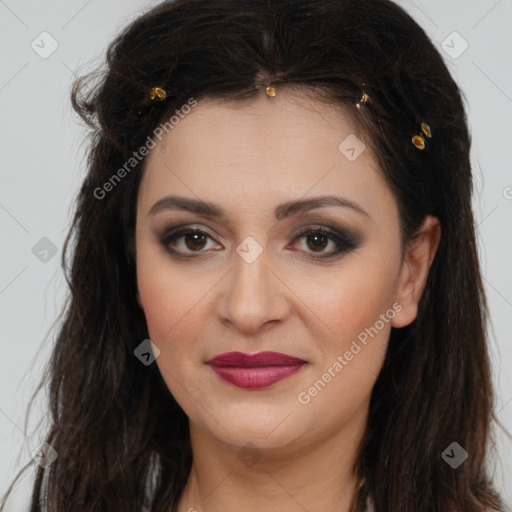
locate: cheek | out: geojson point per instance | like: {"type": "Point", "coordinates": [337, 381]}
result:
{"type": "Point", "coordinates": [168, 301]}
{"type": "Point", "coordinates": [350, 299]}
{"type": "Point", "coordinates": [354, 350]}
{"type": "Point", "coordinates": [176, 300]}
{"type": "Point", "coordinates": [356, 303]}
{"type": "Point", "coordinates": [168, 294]}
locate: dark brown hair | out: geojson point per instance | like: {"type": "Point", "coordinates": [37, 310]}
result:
{"type": "Point", "coordinates": [114, 422]}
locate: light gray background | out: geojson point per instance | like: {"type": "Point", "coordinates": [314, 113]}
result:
{"type": "Point", "coordinates": [41, 168]}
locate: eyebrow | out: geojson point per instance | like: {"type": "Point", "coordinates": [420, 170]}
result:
{"type": "Point", "coordinates": [281, 211]}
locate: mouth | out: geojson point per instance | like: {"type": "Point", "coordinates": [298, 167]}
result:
{"type": "Point", "coordinates": [254, 371]}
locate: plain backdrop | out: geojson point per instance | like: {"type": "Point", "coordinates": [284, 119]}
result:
{"type": "Point", "coordinates": [42, 46]}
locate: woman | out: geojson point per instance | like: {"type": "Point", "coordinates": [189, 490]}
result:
{"type": "Point", "coordinates": [276, 300]}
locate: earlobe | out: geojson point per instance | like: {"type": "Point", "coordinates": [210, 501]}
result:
{"type": "Point", "coordinates": [420, 253]}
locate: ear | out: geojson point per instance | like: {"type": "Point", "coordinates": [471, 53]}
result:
{"type": "Point", "coordinates": [138, 300]}
{"type": "Point", "coordinates": [419, 254]}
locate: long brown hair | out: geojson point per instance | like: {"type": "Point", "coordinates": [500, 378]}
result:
{"type": "Point", "coordinates": [114, 423]}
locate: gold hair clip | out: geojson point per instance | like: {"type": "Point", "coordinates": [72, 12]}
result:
{"type": "Point", "coordinates": [271, 91]}
{"type": "Point", "coordinates": [365, 99]}
{"type": "Point", "coordinates": [157, 92]}
{"type": "Point", "coordinates": [418, 140]}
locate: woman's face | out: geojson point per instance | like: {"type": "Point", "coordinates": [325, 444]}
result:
{"type": "Point", "coordinates": [248, 271]}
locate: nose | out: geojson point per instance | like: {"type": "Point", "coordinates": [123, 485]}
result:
{"type": "Point", "coordinates": [252, 295]}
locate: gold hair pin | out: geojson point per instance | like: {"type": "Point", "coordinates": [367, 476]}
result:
{"type": "Point", "coordinates": [271, 91]}
{"type": "Point", "coordinates": [418, 140]}
{"type": "Point", "coordinates": [157, 93]}
{"type": "Point", "coordinates": [365, 99]}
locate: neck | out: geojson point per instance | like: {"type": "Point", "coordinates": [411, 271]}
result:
{"type": "Point", "coordinates": [316, 477]}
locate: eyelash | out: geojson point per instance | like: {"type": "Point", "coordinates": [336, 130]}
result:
{"type": "Point", "coordinates": [345, 241]}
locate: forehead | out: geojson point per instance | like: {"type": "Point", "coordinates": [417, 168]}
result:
{"type": "Point", "coordinates": [248, 153]}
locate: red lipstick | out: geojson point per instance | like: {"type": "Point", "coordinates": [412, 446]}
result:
{"type": "Point", "coordinates": [252, 371]}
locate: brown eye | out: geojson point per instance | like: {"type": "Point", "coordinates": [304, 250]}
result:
{"type": "Point", "coordinates": [318, 239]}
{"type": "Point", "coordinates": [318, 242]}
{"type": "Point", "coordinates": [195, 240]}
{"type": "Point", "coordinates": [184, 242]}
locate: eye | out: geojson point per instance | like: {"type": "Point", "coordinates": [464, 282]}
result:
{"type": "Point", "coordinates": [317, 239]}
{"type": "Point", "coordinates": [193, 240]}
{"type": "Point", "coordinates": [185, 240]}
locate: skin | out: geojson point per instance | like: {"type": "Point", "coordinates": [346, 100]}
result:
{"type": "Point", "coordinates": [247, 157]}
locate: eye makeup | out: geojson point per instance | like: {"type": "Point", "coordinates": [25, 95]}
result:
{"type": "Point", "coordinates": [191, 241]}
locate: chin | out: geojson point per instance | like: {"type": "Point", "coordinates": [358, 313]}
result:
{"type": "Point", "coordinates": [262, 428]}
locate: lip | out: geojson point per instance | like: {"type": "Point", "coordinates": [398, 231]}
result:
{"type": "Point", "coordinates": [241, 360]}
{"type": "Point", "coordinates": [254, 371]}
